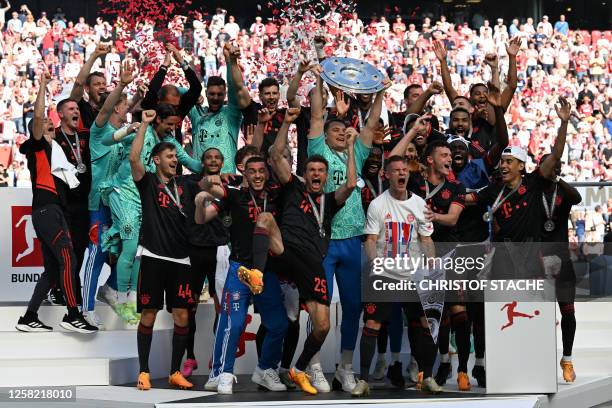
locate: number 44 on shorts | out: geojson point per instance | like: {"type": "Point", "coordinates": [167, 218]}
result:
{"type": "Point", "coordinates": [184, 293]}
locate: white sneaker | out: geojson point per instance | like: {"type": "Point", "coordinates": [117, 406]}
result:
{"type": "Point", "coordinates": [132, 296]}
{"type": "Point", "coordinates": [380, 370]}
{"type": "Point", "coordinates": [107, 295]}
{"type": "Point", "coordinates": [212, 383]}
{"type": "Point", "coordinates": [226, 382]}
{"type": "Point", "coordinates": [93, 319]}
{"type": "Point", "coordinates": [268, 379]}
{"type": "Point", "coordinates": [345, 378]}
{"type": "Point", "coordinates": [413, 370]}
{"type": "Point", "coordinates": [317, 378]}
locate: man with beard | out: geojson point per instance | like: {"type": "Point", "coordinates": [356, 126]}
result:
{"type": "Point", "coordinates": [329, 139]}
{"type": "Point", "coordinates": [302, 241]}
{"type": "Point", "coordinates": [94, 84]}
{"type": "Point", "coordinates": [218, 125]}
{"type": "Point", "coordinates": [474, 174]}
{"type": "Point", "coordinates": [251, 207]}
{"type": "Point", "coordinates": [111, 117]}
{"type": "Point", "coordinates": [203, 240]}
{"type": "Point", "coordinates": [516, 206]}
{"type": "Point", "coordinates": [49, 201]}
{"type": "Point", "coordinates": [165, 261]}
{"type": "Point", "coordinates": [121, 194]}
{"type": "Point", "coordinates": [395, 220]}
{"type": "Point", "coordinates": [558, 200]}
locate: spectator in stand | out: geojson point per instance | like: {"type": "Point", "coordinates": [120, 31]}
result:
{"type": "Point", "coordinates": [14, 25]}
{"type": "Point", "coordinates": [231, 28]}
{"type": "Point", "coordinates": [561, 26]}
{"type": "Point", "coordinates": [547, 28]}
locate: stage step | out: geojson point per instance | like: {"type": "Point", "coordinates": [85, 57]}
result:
{"type": "Point", "coordinates": [586, 392]}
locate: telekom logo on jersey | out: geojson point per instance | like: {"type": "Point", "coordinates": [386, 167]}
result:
{"type": "Point", "coordinates": [25, 246]}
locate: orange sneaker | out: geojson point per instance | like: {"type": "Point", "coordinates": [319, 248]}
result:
{"type": "Point", "coordinates": [463, 381]}
{"type": "Point", "coordinates": [253, 278]}
{"type": "Point", "coordinates": [179, 381]}
{"type": "Point", "coordinates": [144, 381]}
{"type": "Point", "coordinates": [569, 375]}
{"type": "Point", "coordinates": [419, 383]}
{"type": "Point", "coordinates": [302, 380]}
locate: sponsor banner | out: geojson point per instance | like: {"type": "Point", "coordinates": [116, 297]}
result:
{"type": "Point", "coordinates": [593, 196]}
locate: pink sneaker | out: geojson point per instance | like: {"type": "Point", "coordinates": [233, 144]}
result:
{"type": "Point", "coordinates": [188, 366]}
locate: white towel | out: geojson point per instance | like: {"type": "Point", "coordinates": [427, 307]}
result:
{"type": "Point", "coordinates": [61, 167]}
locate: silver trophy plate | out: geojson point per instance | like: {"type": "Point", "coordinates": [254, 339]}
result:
{"type": "Point", "coordinates": [352, 75]}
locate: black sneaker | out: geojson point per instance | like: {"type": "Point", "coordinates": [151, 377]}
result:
{"type": "Point", "coordinates": [395, 375]}
{"type": "Point", "coordinates": [77, 324]}
{"type": "Point", "coordinates": [478, 372]}
{"type": "Point", "coordinates": [444, 370]}
{"type": "Point", "coordinates": [32, 324]}
{"type": "Point", "coordinates": [56, 297]}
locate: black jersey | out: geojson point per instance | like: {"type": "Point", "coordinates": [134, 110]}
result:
{"type": "Point", "coordinates": [238, 201]}
{"type": "Point", "coordinates": [451, 192]}
{"type": "Point", "coordinates": [163, 230]}
{"type": "Point", "coordinates": [373, 188]}
{"type": "Point", "coordinates": [212, 234]}
{"type": "Point", "coordinates": [46, 188]}
{"type": "Point", "coordinates": [560, 216]}
{"type": "Point", "coordinates": [520, 218]}
{"type": "Point", "coordinates": [299, 226]}
{"type": "Point", "coordinates": [68, 143]}
{"type": "Point", "coordinates": [272, 127]}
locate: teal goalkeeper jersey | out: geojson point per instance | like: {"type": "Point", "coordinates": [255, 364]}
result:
{"type": "Point", "coordinates": [217, 129]}
{"type": "Point", "coordinates": [350, 220]}
{"type": "Point", "coordinates": [100, 160]}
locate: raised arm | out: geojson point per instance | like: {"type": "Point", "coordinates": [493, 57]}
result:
{"type": "Point", "coordinates": [189, 98]}
{"type": "Point", "coordinates": [136, 165]}
{"type": "Point", "coordinates": [317, 110]}
{"type": "Point", "coordinates": [493, 156]}
{"type": "Point", "coordinates": [204, 211]}
{"type": "Point", "coordinates": [150, 99]}
{"type": "Point", "coordinates": [38, 121]}
{"type": "Point", "coordinates": [125, 77]}
{"type": "Point", "coordinates": [294, 85]}
{"type": "Point", "coordinates": [263, 117]}
{"type": "Point", "coordinates": [79, 84]}
{"type": "Point", "coordinates": [547, 168]}
{"type": "Point", "coordinates": [402, 145]}
{"type": "Point", "coordinates": [512, 49]}
{"type": "Point", "coordinates": [213, 185]}
{"type": "Point", "coordinates": [137, 98]}
{"type": "Point", "coordinates": [231, 55]}
{"type": "Point", "coordinates": [344, 191]}
{"type": "Point", "coordinates": [417, 107]}
{"type": "Point", "coordinates": [280, 166]}
{"type": "Point", "coordinates": [492, 61]}
{"type": "Point", "coordinates": [440, 52]}
{"type": "Point", "coordinates": [195, 166]}
{"type": "Point", "coordinates": [367, 133]}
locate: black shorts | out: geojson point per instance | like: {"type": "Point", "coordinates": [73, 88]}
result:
{"type": "Point", "coordinates": [383, 311]}
{"type": "Point", "coordinates": [158, 277]}
{"type": "Point", "coordinates": [203, 265]}
{"type": "Point", "coordinates": [306, 271]}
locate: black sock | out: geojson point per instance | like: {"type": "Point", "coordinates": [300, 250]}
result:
{"type": "Point", "coordinates": [477, 318]}
{"type": "Point", "coordinates": [259, 339]}
{"type": "Point", "coordinates": [30, 315]}
{"type": "Point", "coordinates": [367, 347]}
{"type": "Point", "coordinates": [179, 340]}
{"type": "Point", "coordinates": [261, 245]}
{"type": "Point", "coordinates": [382, 339]}
{"type": "Point", "coordinates": [414, 330]}
{"type": "Point", "coordinates": [191, 335]}
{"type": "Point", "coordinates": [427, 352]}
{"type": "Point", "coordinates": [568, 327]}
{"type": "Point", "coordinates": [73, 312]}
{"type": "Point", "coordinates": [312, 346]}
{"type": "Point", "coordinates": [290, 343]}
{"type": "Point", "coordinates": [216, 322]}
{"type": "Point", "coordinates": [444, 335]}
{"type": "Point", "coordinates": [143, 338]}
{"type": "Point", "coordinates": [462, 339]}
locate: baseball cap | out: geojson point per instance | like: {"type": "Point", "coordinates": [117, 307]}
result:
{"type": "Point", "coordinates": [454, 138]}
{"type": "Point", "coordinates": [516, 152]}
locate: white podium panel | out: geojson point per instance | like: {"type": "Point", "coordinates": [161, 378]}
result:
{"type": "Point", "coordinates": [521, 352]}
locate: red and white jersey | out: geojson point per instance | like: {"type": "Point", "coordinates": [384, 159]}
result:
{"type": "Point", "coordinates": [398, 223]}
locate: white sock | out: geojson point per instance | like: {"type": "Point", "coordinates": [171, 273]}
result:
{"type": "Point", "coordinates": [381, 357]}
{"type": "Point", "coordinates": [122, 297]}
{"type": "Point", "coordinates": [567, 358]}
{"type": "Point", "coordinates": [283, 370]}
{"type": "Point", "coordinates": [480, 362]}
{"type": "Point", "coordinates": [346, 358]}
{"type": "Point", "coordinates": [316, 359]}
{"type": "Point", "coordinates": [395, 357]}
{"type": "Point", "coordinates": [444, 358]}
{"type": "Point", "coordinates": [132, 296]}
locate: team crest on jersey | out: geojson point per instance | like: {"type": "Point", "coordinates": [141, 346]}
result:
{"type": "Point", "coordinates": [522, 190]}
{"type": "Point", "coordinates": [236, 296]}
{"type": "Point", "coordinates": [445, 194]}
{"type": "Point", "coordinates": [558, 201]}
{"type": "Point", "coordinates": [218, 122]}
{"type": "Point", "coordinates": [370, 308]}
{"type": "Point", "coordinates": [388, 216]}
{"type": "Point", "coordinates": [145, 299]}
{"type": "Point", "coordinates": [410, 218]}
